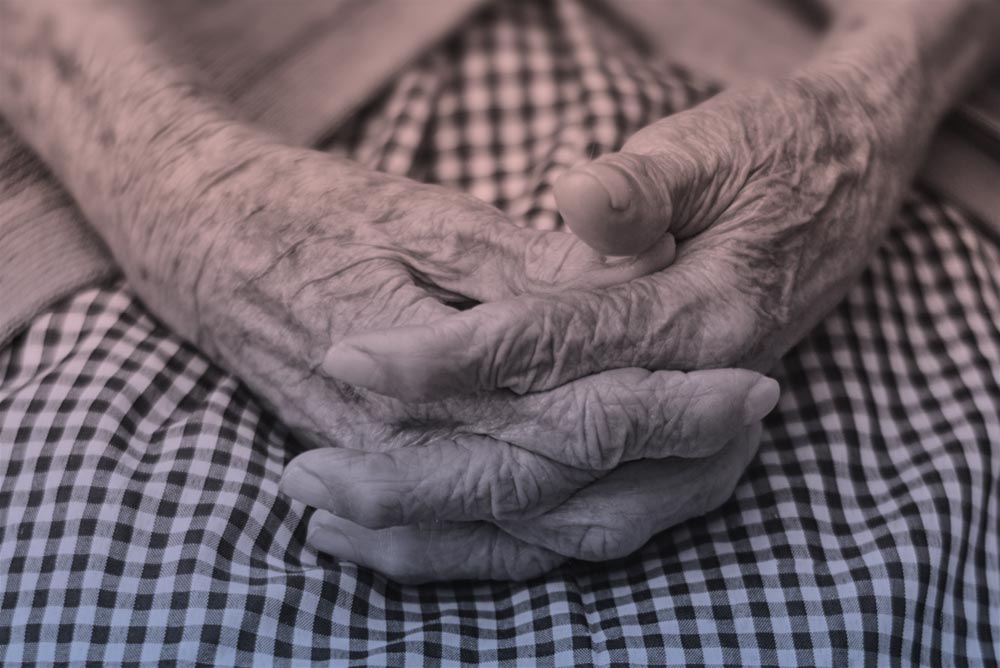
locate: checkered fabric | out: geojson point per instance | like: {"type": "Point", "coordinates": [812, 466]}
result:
{"type": "Point", "coordinates": [140, 519]}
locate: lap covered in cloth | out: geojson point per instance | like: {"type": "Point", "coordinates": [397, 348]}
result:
{"type": "Point", "coordinates": [140, 519]}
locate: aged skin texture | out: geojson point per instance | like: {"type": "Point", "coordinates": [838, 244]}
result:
{"type": "Point", "coordinates": [264, 255]}
{"type": "Point", "coordinates": [582, 439]}
{"type": "Point", "coordinates": [778, 194]}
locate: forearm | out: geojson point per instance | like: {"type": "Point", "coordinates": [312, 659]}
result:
{"type": "Point", "coordinates": [908, 62]}
{"type": "Point", "coordinates": [92, 95]}
{"type": "Point", "coordinates": [131, 135]}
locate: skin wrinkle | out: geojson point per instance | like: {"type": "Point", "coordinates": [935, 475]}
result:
{"type": "Point", "coordinates": [713, 304]}
{"type": "Point", "coordinates": [557, 419]}
{"type": "Point", "coordinates": [555, 416]}
{"type": "Point", "coordinates": [594, 434]}
{"type": "Point", "coordinates": [512, 490]}
{"type": "Point", "coordinates": [598, 543]}
{"type": "Point", "coordinates": [222, 177]}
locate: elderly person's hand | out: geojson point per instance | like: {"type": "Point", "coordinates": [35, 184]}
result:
{"type": "Point", "coordinates": [316, 249]}
{"type": "Point", "coordinates": [359, 251]}
{"type": "Point", "coordinates": [520, 538]}
{"type": "Point", "coordinates": [283, 252]}
{"type": "Point", "coordinates": [266, 255]}
{"type": "Point", "coordinates": [778, 194]}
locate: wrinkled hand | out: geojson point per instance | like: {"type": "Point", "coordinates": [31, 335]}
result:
{"type": "Point", "coordinates": [323, 250]}
{"type": "Point", "coordinates": [778, 196]}
{"type": "Point", "coordinates": [594, 482]}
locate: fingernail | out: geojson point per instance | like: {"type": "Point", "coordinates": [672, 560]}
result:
{"type": "Point", "coordinates": [614, 182]}
{"type": "Point", "coordinates": [305, 486]}
{"type": "Point", "coordinates": [349, 364]}
{"type": "Point", "coordinates": [761, 400]}
{"type": "Point", "coordinates": [753, 443]}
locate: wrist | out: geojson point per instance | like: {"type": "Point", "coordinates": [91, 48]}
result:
{"type": "Point", "coordinates": [929, 51]}
{"type": "Point", "coordinates": [902, 65]}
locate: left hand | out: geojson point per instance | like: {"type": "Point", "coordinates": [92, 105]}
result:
{"type": "Point", "coordinates": [778, 195]}
{"type": "Point", "coordinates": [609, 518]}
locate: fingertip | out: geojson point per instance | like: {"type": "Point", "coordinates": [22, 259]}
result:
{"type": "Point", "coordinates": [400, 374]}
{"type": "Point", "coordinates": [585, 206]}
{"type": "Point", "coordinates": [602, 203]}
{"type": "Point", "coordinates": [760, 400]}
{"type": "Point", "coordinates": [416, 363]}
{"type": "Point", "coordinates": [303, 485]}
{"type": "Point", "coordinates": [326, 533]}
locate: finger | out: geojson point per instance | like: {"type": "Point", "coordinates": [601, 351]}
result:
{"type": "Point", "coordinates": [667, 321]}
{"type": "Point", "coordinates": [462, 478]}
{"type": "Point", "coordinates": [472, 477]}
{"type": "Point", "coordinates": [417, 554]}
{"type": "Point", "coordinates": [622, 203]}
{"type": "Point", "coordinates": [373, 295]}
{"type": "Point", "coordinates": [548, 272]}
{"type": "Point", "coordinates": [613, 209]}
{"type": "Point", "coordinates": [601, 421]}
{"type": "Point", "coordinates": [510, 261]}
{"type": "Point", "coordinates": [619, 513]}
{"type": "Point", "coordinates": [464, 247]}
{"type": "Point", "coordinates": [610, 519]}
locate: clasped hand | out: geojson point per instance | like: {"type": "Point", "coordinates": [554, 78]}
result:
{"type": "Point", "coordinates": [491, 484]}
{"type": "Point", "coordinates": [300, 251]}
{"type": "Point", "coordinates": [778, 196]}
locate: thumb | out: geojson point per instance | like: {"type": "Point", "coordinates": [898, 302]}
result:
{"type": "Point", "coordinates": [622, 203]}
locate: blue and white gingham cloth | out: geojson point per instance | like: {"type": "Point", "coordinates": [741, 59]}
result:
{"type": "Point", "coordinates": [140, 519]}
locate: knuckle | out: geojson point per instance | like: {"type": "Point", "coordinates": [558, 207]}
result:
{"type": "Point", "coordinates": [590, 423]}
{"type": "Point", "coordinates": [375, 497]}
{"type": "Point", "coordinates": [598, 431]}
{"type": "Point", "coordinates": [493, 481]}
{"type": "Point", "coordinates": [598, 542]}
{"type": "Point", "coordinates": [522, 356]}
{"type": "Point", "coordinates": [703, 418]}
{"type": "Point", "coordinates": [512, 488]}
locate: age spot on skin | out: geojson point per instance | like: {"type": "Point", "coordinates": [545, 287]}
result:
{"type": "Point", "coordinates": [837, 150]}
{"type": "Point", "coordinates": [15, 82]}
{"type": "Point", "coordinates": [66, 66]}
{"type": "Point", "coordinates": [855, 24]}
{"type": "Point", "coordinates": [107, 138]}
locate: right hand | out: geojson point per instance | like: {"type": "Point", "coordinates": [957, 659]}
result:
{"type": "Point", "coordinates": [301, 250]}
